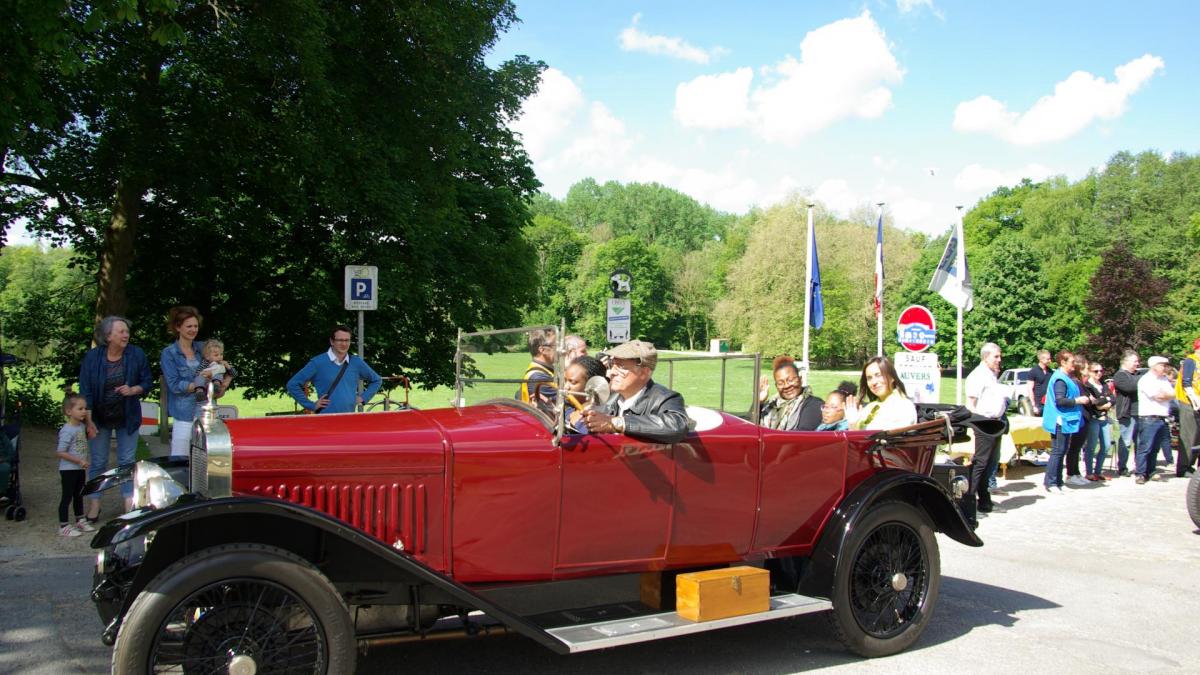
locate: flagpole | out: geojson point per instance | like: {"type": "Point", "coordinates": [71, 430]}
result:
{"type": "Point", "coordinates": [961, 266]}
{"type": "Point", "coordinates": [808, 285]}
{"type": "Point", "coordinates": [879, 315]}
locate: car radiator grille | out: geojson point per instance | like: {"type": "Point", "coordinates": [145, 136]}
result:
{"type": "Point", "coordinates": [389, 512]}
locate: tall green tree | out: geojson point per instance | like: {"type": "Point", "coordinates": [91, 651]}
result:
{"type": "Point", "coordinates": [236, 156]}
{"type": "Point", "coordinates": [1012, 300]}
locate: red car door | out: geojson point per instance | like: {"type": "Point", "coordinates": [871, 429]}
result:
{"type": "Point", "coordinates": [617, 501]}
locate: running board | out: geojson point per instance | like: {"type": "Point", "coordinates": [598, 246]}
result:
{"type": "Point", "coordinates": [627, 631]}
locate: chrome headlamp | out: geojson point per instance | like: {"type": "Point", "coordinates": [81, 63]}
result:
{"type": "Point", "coordinates": [153, 486]}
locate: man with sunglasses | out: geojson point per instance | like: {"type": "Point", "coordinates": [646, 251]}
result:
{"type": "Point", "coordinates": [639, 407]}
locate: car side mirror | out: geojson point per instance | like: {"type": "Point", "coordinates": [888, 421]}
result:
{"type": "Point", "coordinates": [597, 391]}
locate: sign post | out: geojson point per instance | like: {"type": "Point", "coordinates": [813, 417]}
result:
{"type": "Point", "coordinates": [918, 370]}
{"type": "Point", "coordinates": [362, 294]}
{"type": "Point", "coordinates": [620, 308]}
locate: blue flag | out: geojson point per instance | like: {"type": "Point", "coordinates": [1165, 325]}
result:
{"type": "Point", "coordinates": [817, 316]}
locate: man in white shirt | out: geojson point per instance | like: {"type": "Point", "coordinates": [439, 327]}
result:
{"type": "Point", "coordinates": [986, 397]}
{"type": "Point", "coordinates": [1155, 392]}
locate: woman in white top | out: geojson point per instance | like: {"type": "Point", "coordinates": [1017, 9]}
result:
{"type": "Point", "coordinates": [885, 405]}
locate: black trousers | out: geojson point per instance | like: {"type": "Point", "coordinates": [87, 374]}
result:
{"type": "Point", "coordinates": [72, 493]}
{"type": "Point", "coordinates": [1185, 458]}
{"type": "Point", "coordinates": [986, 448]}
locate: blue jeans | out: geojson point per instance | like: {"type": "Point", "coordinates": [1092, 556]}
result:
{"type": "Point", "coordinates": [1153, 434]}
{"type": "Point", "coordinates": [1125, 443]}
{"type": "Point", "coordinates": [98, 451]}
{"type": "Point", "coordinates": [1093, 459]}
{"type": "Point", "coordinates": [1054, 465]}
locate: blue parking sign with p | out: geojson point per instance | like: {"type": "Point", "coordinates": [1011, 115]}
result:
{"type": "Point", "coordinates": [362, 287]}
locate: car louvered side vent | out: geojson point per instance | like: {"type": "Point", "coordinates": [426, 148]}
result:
{"type": "Point", "coordinates": [199, 470]}
{"type": "Point", "coordinates": [387, 511]}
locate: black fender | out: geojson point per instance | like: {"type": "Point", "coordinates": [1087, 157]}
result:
{"type": "Point", "coordinates": [917, 489]}
{"type": "Point", "coordinates": [363, 568]}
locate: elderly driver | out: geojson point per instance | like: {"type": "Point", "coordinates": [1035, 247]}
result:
{"type": "Point", "coordinates": [639, 407]}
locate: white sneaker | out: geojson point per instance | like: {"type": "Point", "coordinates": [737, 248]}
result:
{"type": "Point", "coordinates": [1077, 480]}
{"type": "Point", "coordinates": [68, 531]}
{"type": "Point", "coordinates": [84, 526]}
{"type": "Point", "coordinates": [1053, 490]}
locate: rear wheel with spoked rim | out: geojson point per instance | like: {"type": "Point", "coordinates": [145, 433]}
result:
{"type": "Point", "coordinates": [887, 581]}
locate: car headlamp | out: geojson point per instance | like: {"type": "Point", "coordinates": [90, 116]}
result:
{"type": "Point", "coordinates": [153, 486]}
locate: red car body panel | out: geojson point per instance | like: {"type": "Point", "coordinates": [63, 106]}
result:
{"type": "Point", "coordinates": [482, 494]}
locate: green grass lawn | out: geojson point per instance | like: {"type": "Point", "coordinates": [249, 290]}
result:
{"type": "Point", "coordinates": [698, 381]}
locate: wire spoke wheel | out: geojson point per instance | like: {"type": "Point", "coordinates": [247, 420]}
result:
{"type": "Point", "coordinates": [240, 624]}
{"type": "Point", "coordinates": [886, 586]}
{"type": "Point", "coordinates": [889, 580]}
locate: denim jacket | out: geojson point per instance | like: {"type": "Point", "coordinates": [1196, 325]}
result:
{"type": "Point", "coordinates": [137, 373]}
{"type": "Point", "coordinates": [181, 405]}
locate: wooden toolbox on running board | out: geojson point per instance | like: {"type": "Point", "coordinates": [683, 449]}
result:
{"type": "Point", "coordinates": [722, 593]}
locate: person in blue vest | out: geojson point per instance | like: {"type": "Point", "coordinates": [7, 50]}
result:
{"type": "Point", "coordinates": [1062, 417]}
{"type": "Point", "coordinates": [335, 374]}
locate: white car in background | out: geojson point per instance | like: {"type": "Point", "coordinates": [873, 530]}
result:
{"type": "Point", "coordinates": [1020, 382]}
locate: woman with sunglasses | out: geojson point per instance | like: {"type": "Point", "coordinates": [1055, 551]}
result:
{"type": "Point", "coordinates": [1096, 424]}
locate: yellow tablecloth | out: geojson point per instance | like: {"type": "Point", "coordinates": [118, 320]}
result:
{"type": "Point", "coordinates": [1023, 432]}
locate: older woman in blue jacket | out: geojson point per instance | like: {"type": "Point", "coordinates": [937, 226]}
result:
{"type": "Point", "coordinates": [1062, 418]}
{"type": "Point", "coordinates": [113, 378]}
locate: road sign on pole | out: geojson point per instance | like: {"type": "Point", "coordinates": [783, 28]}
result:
{"type": "Point", "coordinates": [362, 287]}
{"type": "Point", "coordinates": [618, 320]}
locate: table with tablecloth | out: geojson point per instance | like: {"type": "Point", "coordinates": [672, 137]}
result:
{"type": "Point", "coordinates": [1025, 433]}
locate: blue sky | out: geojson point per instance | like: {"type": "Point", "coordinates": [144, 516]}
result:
{"type": "Point", "coordinates": [922, 105]}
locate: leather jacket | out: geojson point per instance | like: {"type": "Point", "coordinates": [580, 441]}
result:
{"type": "Point", "coordinates": [657, 416]}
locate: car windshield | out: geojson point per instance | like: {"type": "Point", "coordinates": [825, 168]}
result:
{"type": "Point", "coordinates": [494, 365]}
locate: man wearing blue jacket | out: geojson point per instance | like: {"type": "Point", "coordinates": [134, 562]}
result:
{"type": "Point", "coordinates": [336, 375]}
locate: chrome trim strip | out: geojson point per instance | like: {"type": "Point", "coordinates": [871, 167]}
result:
{"type": "Point", "coordinates": [219, 448]}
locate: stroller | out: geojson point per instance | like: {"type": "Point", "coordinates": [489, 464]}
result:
{"type": "Point", "coordinates": [10, 450]}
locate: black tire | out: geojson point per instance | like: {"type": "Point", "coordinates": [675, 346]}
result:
{"type": "Point", "coordinates": [8, 512]}
{"type": "Point", "coordinates": [1025, 406]}
{"type": "Point", "coordinates": [19, 513]}
{"type": "Point", "coordinates": [243, 601]}
{"type": "Point", "coordinates": [870, 615]}
{"type": "Point", "coordinates": [1193, 498]}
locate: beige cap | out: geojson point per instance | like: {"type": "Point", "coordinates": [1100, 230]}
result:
{"type": "Point", "coordinates": [1155, 360]}
{"type": "Point", "coordinates": [634, 349]}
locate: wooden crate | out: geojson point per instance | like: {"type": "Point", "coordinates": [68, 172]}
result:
{"type": "Point", "coordinates": [722, 593]}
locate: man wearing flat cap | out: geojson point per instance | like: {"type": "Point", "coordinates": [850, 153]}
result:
{"type": "Point", "coordinates": [640, 407]}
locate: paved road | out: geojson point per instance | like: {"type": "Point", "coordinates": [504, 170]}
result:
{"type": "Point", "coordinates": [1099, 579]}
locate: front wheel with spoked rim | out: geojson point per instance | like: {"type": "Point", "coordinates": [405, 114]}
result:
{"type": "Point", "coordinates": [887, 581]}
{"type": "Point", "coordinates": [239, 608]}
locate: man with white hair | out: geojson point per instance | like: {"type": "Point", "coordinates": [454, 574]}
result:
{"type": "Point", "coordinates": [576, 347]}
{"type": "Point", "coordinates": [1155, 391]}
{"type": "Point", "coordinates": [986, 397]}
{"type": "Point", "coordinates": [639, 407]}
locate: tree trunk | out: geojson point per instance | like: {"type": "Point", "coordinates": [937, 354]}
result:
{"type": "Point", "coordinates": [117, 255]}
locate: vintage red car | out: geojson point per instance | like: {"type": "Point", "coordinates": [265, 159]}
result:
{"type": "Point", "coordinates": [303, 538]}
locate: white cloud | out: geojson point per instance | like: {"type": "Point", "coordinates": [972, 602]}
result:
{"type": "Point", "coordinates": [715, 101]}
{"type": "Point", "coordinates": [632, 39]}
{"type": "Point", "coordinates": [906, 6]}
{"type": "Point", "coordinates": [836, 195]}
{"type": "Point", "coordinates": [845, 70]}
{"type": "Point", "coordinates": [1076, 102]}
{"type": "Point", "coordinates": [546, 114]}
{"type": "Point", "coordinates": [976, 178]}
{"type": "Point", "coordinates": [883, 163]}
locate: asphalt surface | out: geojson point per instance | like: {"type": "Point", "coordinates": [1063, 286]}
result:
{"type": "Point", "coordinates": [1101, 579]}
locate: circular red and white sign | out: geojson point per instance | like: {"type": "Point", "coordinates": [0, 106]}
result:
{"type": "Point", "coordinates": [915, 329]}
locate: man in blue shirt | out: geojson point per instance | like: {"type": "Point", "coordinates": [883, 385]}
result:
{"type": "Point", "coordinates": [336, 375]}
